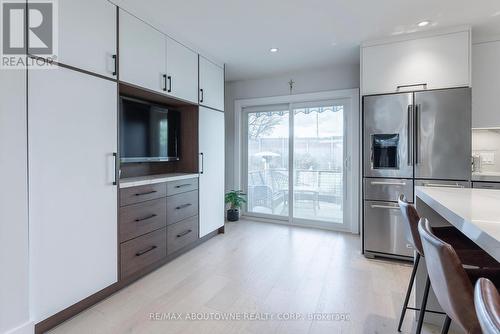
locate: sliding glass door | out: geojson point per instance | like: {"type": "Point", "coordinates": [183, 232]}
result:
{"type": "Point", "coordinates": [268, 160]}
{"type": "Point", "coordinates": [294, 162]}
{"type": "Point", "coordinates": [318, 173]}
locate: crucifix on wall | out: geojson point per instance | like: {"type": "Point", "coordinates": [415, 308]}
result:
{"type": "Point", "coordinates": [291, 83]}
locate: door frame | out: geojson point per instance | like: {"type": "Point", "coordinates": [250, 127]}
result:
{"type": "Point", "coordinates": [352, 148]}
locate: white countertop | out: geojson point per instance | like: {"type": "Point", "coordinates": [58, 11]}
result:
{"type": "Point", "coordinates": [475, 212]}
{"type": "Point", "coordinates": [152, 179]}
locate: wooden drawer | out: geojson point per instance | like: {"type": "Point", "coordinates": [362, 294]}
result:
{"type": "Point", "coordinates": [182, 234]}
{"type": "Point", "coordinates": [142, 252]}
{"type": "Point", "coordinates": [138, 219]}
{"type": "Point", "coordinates": [182, 186]}
{"type": "Point", "coordinates": [144, 193]}
{"type": "Point", "coordinates": [182, 206]}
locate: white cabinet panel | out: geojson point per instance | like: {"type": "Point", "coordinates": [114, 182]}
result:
{"type": "Point", "coordinates": [87, 35]}
{"type": "Point", "coordinates": [73, 203]}
{"type": "Point", "coordinates": [14, 261]}
{"type": "Point", "coordinates": [142, 54]}
{"type": "Point", "coordinates": [182, 69]}
{"type": "Point", "coordinates": [486, 85]}
{"type": "Point", "coordinates": [211, 146]}
{"type": "Point", "coordinates": [211, 85]}
{"type": "Point", "coordinates": [441, 61]}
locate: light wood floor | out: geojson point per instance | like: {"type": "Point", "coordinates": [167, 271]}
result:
{"type": "Point", "coordinates": [259, 267]}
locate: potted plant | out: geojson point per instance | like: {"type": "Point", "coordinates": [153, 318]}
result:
{"type": "Point", "coordinates": [235, 199]}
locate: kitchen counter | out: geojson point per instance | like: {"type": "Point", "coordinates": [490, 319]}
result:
{"type": "Point", "coordinates": [152, 179]}
{"type": "Point", "coordinates": [475, 212]}
{"type": "Point", "coordinates": [486, 177]}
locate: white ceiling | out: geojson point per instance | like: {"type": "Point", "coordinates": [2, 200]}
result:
{"type": "Point", "coordinates": [308, 33]}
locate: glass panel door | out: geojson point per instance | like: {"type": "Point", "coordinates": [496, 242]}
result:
{"type": "Point", "coordinates": [318, 163]}
{"type": "Point", "coordinates": [267, 161]}
{"type": "Point", "coordinates": [294, 158]}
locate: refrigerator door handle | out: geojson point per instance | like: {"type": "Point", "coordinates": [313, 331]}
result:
{"type": "Point", "coordinates": [417, 130]}
{"type": "Point", "coordinates": [410, 135]}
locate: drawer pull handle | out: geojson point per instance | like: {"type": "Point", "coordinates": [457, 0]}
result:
{"type": "Point", "coordinates": [184, 233]}
{"type": "Point", "coordinates": [183, 185]}
{"type": "Point", "coordinates": [183, 206]}
{"type": "Point", "coordinates": [437, 185]}
{"type": "Point", "coordinates": [145, 251]}
{"type": "Point", "coordinates": [382, 183]}
{"type": "Point", "coordinates": [377, 206]}
{"type": "Point", "coordinates": [146, 193]}
{"type": "Point", "coordinates": [145, 218]}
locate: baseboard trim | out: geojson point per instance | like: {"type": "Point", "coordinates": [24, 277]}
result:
{"type": "Point", "coordinates": [26, 328]}
{"type": "Point", "coordinates": [58, 318]}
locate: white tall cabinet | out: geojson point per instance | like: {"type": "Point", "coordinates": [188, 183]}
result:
{"type": "Point", "coordinates": [486, 84]}
{"type": "Point", "coordinates": [87, 35]}
{"type": "Point", "coordinates": [211, 84]}
{"type": "Point", "coordinates": [72, 124]}
{"type": "Point", "coordinates": [211, 146]}
{"type": "Point", "coordinates": [14, 241]}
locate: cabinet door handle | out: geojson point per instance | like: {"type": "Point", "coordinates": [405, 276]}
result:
{"type": "Point", "coordinates": [202, 95]}
{"type": "Point", "coordinates": [183, 185]}
{"type": "Point", "coordinates": [115, 158]}
{"type": "Point", "coordinates": [169, 84]}
{"type": "Point", "coordinates": [147, 250]}
{"type": "Point", "coordinates": [412, 85]}
{"type": "Point", "coordinates": [183, 206]}
{"type": "Point", "coordinates": [202, 163]}
{"type": "Point", "coordinates": [164, 82]}
{"type": "Point", "coordinates": [184, 233]}
{"type": "Point", "coordinates": [115, 72]}
{"type": "Point", "coordinates": [145, 218]}
{"type": "Point", "coordinates": [146, 193]}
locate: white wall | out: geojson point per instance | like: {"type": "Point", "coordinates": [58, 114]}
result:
{"type": "Point", "coordinates": [310, 81]}
{"type": "Point", "coordinates": [14, 260]}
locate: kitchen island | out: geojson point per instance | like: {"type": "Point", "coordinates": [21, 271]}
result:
{"type": "Point", "coordinates": [475, 212]}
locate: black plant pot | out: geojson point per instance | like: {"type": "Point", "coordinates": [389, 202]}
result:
{"type": "Point", "coordinates": [233, 215]}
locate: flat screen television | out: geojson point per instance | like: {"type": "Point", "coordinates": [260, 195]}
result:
{"type": "Point", "coordinates": [148, 132]}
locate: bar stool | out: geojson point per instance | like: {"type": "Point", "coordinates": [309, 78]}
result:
{"type": "Point", "coordinates": [470, 254]}
{"type": "Point", "coordinates": [487, 303]}
{"type": "Point", "coordinates": [452, 284]}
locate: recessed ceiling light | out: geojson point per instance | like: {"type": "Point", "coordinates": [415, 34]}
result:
{"type": "Point", "coordinates": [274, 50]}
{"type": "Point", "coordinates": [423, 23]}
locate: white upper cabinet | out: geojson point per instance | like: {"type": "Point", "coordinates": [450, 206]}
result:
{"type": "Point", "coordinates": [142, 54]}
{"type": "Point", "coordinates": [486, 85]}
{"type": "Point", "coordinates": [182, 71]}
{"type": "Point", "coordinates": [438, 61]}
{"type": "Point", "coordinates": [211, 85]}
{"type": "Point", "coordinates": [87, 35]}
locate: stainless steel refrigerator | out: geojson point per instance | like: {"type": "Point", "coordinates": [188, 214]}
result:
{"type": "Point", "coordinates": [410, 139]}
